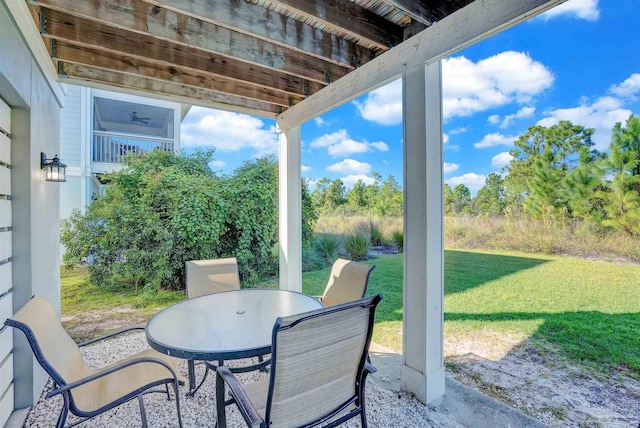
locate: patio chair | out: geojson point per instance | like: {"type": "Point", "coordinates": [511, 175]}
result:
{"type": "Point", "coordinates": [89, 392]}
{"type": "Point", "coordinates": [211, 276]}
{"type": "Point", "coordinates": [348, 281]}
{"type": "Point", "coordinates": [208, 277]}
{"type": "Point", "coordinates": [318, 369]}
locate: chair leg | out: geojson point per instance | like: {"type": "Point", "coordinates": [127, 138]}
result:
{"type": "Point", "coordinates": [166, 387]}
{"type": "Point", "coordinates": [363, 409]}
{"type": "Point", "coordinates": [64, 412]}
{"type": "Point", "coordinates": [175, 390]}
{"type": "Point", "coordinates": [143, 413]}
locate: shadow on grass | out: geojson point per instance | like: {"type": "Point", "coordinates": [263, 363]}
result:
{"type": "Point", "coordinates": [590, 337]}
{"type": "Point", "coordinates": [464, 270]}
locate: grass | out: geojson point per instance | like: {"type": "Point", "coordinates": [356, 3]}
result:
{"type": "Point", "coordinates": [79, 296]}
{"type": "Point", "coordinates": [589, 310]}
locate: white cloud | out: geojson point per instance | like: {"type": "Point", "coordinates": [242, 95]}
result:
{"type": "Point", "coordinates": [218, 163]}
{"type": "Point", "coordinates": [340, 144]}
{"type": "Point", "coordinates": [496, 81]}
{"type": "Point", "coordinates": [601, 115]}
{"type": "Point", "coordinates": [468, 87]}
{"type": "Point", "coordinates": [350, 166]}
{"type": "Point", "coordinates": [352, 179]}
{"type": "Point", "coordinates": [494, 119]}
{"type": "Point", "coordinates": [348, 147]}
{"type": "Point", "coordinates": [582, 9]}
{"type": "Point", "coordinates": [445, 138]}
{"type": "Point", "coordinates": [501, 159]}
{"type": "Point", "coordinates": [629, 88]}
{"type": "Point", "coordinates": [459, 130]}
{"type": "Point", "coordinates": [523, 113]}
{"type": "Point", "coordinates": [319, 121]}
{"type": "Point", "coordinates": [495, 139]}
{"type": "Point", "coordinates": [450, 167]}
{"type": "Point", "coordinates": [305, 168]}
{"type": "Point", "coordinates": [227, 131]}
{"type": "Point", "coordinates": [384, 105]}
{"type": "Point", "coordinates": [380, 145]}
{"type": "Point", "coordinates": [472, 180]}
{"type": "Point", "coordinates": [327, 140]}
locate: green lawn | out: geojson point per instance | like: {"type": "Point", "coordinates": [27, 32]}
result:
{"type": "Point", "coordinates": [589, 310]}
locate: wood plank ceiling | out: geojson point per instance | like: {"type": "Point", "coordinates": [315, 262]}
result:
{"type": "Point", "coordinates": [259, 56]}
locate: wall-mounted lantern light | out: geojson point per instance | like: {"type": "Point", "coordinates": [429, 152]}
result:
{"type": "Point", "coordinates": [54, 169]}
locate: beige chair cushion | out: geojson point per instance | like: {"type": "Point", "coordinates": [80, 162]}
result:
{"type": "Point", "coordinates": [347, 282]}
{"type": "Point", "coordinates": [105, 390]}
{"type": "Point", "coordinates": [64, 356]}
{"type": "Point", "coordinates": [316, 365]}
{"type": "Point", "coordinates": [211, 276]}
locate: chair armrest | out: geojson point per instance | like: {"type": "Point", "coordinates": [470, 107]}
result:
{"type": "Point", "coordinates": [109, 371]}
{"type": "Point", "coordinates": [107, 336]}
{"type": "Point", "coordinates": [368, 367]}
{"type": "Point", "coordinates": [246, 407]}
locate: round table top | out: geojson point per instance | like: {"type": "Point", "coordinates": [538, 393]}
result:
{"type": "Point", "coordinates": [224, 326]}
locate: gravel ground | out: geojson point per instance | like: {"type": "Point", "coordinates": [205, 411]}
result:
{"type": "Point", "coordinates": [384, 408]}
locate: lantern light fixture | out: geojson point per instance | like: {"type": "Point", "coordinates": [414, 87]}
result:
{"type": "Point", "coordinates": [55, 170]}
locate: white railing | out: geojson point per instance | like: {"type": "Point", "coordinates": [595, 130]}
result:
{"type": "Point", "coordinates": [109, 147]}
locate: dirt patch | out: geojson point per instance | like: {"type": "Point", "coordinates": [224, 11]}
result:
{"type": "Point", "coordinates": [537, 380]}
{"type": "Point", "coordinates": [96, 323]}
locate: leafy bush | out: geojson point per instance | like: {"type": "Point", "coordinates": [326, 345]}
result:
{"type": "Point", "coordinates": [164, 209]}
{"type": "Point", "coordinates": [357, 245]}
{"type": "Point", "coordinates": [397, 237]}
{"type": "Point", "coordinates": [327, 246]}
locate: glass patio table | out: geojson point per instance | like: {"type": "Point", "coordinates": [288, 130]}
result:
{"type": "Point", "coordinates": [224, 326]}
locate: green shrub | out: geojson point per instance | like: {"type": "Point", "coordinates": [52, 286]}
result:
{"type": "Point", "coordinates": [165, 208]}
{"type": "Point", "coordinates": [357, 245]}
{"type": "Point", "coordinates": [375, 232]}
{"type": "Point", "coordinates": [311, 260]}
{"type": "Point", "coordinates": [327, 246]}
{"type": "Point", "coordinates": [397, 237]}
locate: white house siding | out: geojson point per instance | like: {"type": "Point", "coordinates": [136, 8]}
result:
{"type": "Point", "coordinates": [6, 282]}
{"type": "Point", "coordinates": [34, 208]}
{"type": "Point", "coordinates": [71, 127]}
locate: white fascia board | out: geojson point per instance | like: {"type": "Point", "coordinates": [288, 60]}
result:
{"type": "Point", "coordinates": [124, 92]}
{"type": "Point", "coordinates": [21, 15]}
{"type": "Point", "coordinates": [470, 24]}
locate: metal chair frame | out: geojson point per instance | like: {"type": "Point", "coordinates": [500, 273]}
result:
{"type": "Point", "coordinates": [246, 407]}
{"type": "Point", "coordinates": [61, 387]}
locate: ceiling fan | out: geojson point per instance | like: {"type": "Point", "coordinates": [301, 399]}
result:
{"type": "Point", "coordinates": [134, 118]}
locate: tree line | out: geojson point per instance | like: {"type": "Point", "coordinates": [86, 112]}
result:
{"type": "Point", "coordinates": [555, 172]}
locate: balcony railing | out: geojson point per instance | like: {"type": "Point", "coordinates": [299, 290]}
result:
{"type": "Point", "coordinates": [109, 147]}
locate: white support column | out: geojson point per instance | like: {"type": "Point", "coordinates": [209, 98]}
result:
{"type": "Point", "coordinates": [423, 368]}
{"type": "Point", "coordinates": [290, 210]}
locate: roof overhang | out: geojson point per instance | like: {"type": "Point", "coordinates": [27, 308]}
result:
{"type": "Point", "coordinates": [290, 59]}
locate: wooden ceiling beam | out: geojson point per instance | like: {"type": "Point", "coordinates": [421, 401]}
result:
{"type": "Point", "coordinates": [86, 33]}
{"type": "Point", "coordinates": [347, 17]}
{"type": "Point", "coordinates": [82, 73]}
{"type": "Point", "coordinates": [164, 24]}
{"type": "Point", "coordinates": [416, 9]}
{"type": "Point", "coordinates": [268, 25]}
{"type": "Point", "coordinates": [66, 52]}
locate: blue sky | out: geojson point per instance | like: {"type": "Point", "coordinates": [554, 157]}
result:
{"type": "Point", "coordinates": [578, 62]}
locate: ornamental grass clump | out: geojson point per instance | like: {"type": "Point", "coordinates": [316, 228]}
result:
{"type": "Point", "coordinates": [357, 245]}
{"type": "Point", "coordinates": [397, 237]}
{"type": "Point", "coordinates": [327, 246]}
